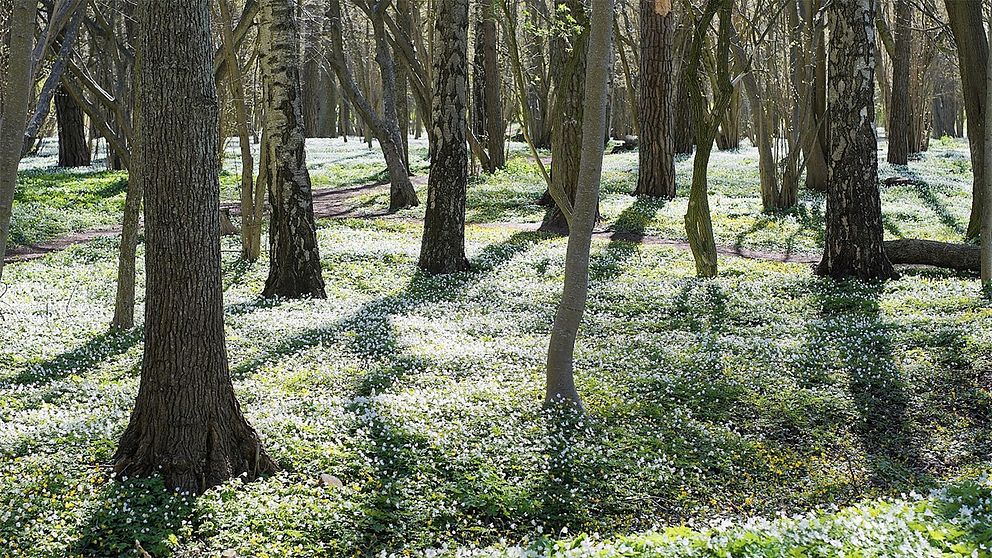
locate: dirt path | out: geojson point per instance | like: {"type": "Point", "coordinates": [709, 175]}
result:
{"type": "Point", "coordinates": [341, 203]}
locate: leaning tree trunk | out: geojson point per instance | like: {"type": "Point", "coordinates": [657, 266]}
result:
{"type": "Point", "coordinates": [656, 173]}
{"type": "Point", "coordinates": [16, 95]}
{"type": "Point", "coordinates": [965, 17]}
{"type": "Point", "coordinates": [899, 109]}
{"type": "Point", "coordinates": [853, 242]}
{"type": "Point", "coordinates": [568, 62]}
{"type": "Point", "coordinates": [443, 246]}
{"type": "Point", "coordinates": [186, 425]}
{"type": "Point", "coordinates": [73, 149]}
{"type": "Point", "coordinates": [294, 259]}
{"type": "Point", "coordinates": [561, 348]}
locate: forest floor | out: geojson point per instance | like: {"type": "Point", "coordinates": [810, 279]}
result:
{"type": "Point", "coordinates": [766, 391]}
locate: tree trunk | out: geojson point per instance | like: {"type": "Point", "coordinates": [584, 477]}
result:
{"type": "Point", "coordinates": [186, 425]}
{"type": "Point", "coordinates": [294, 259]}
{"type": "Point", "coordinates": [124, 301]}
{"type": "Point", "coordinates": [986, 232]}
{"type": "Point", "coordinates": [899, 106]}
{"type": "Point", "coordinates": [403, 83]}
{"type": "Point", "coordinates": [538, 90]}
{"type": "Point", "coordinates": [443, 246]}
{"type": "Point", "coordinates": [853, 242]}
{"type": "Point", "coordinates": [492, 91]}
{"type": "Point", "coordinates": [73, 150]}
{"type": "Point", "coordinates": [17, 93]}
{"type": "Point", "coordinates": [656, 172]}
{"type": "Point", "coordinates": [568, 62]}
{"type": "Point", "coordinates": [961, 257]}
{"type": "Point", "coordinates": [561, 348]}
{"type": "Point", "coordinates": [965, 17]}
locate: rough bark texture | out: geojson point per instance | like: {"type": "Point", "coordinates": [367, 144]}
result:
{"type": "Point", "coordinates": [538, 90]}
{"type": "Point", "coordinates": [443, 246]}
{"type": "Point", "coordinates": [568, 63]}
{"type": "Point", "coordinates": [294, 259]}
{"type": "Point", "coordinates": [656, 173]}
{"type": "Point", "coordinates": [186, 425]}
{"type": "Point", "coordinates": [965, 17]}
{"type": "Point", "coordinates": [73, 149]}
{"type": "Point", "coordinates": [124, 301]}
{"type": "Point", "coordinates": [14, 117]}
{"type": "Point", "coordinates": [899, 109]}
{"type": "Point", "coordinates": [853, 242]}
{"type": "Point", "coordinates": [561, 348]}
{"type": "Point", "coordinates": [986, 231]}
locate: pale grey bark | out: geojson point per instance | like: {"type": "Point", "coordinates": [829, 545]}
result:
{"type": "Point", "coordinates": [12, 122]}
{"type": "Point", "coordinates": [561, 348]}
{"type": "Point", "coordinates": [294, 258]}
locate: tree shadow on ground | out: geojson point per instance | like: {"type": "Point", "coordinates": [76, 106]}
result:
{"type": "Point", "coordinates": [809, 217]}
{"type": "Point", "coordinates": [857, 347]}
{"type": "Point", "coordinates": [933, 202]}
{"type": "Point", "coordinates": [79, 361]}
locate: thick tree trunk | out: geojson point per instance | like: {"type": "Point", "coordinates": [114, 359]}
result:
{"type": "Point", "coordinates": [568, 62]}
{"type": "Point", "coordinates": [965, 17]}
{"type": "Point", "coordinates": [899, 107]}
{"type": "Point", "coordinates": [853, 242]}
{"type": "Point", "coordinates": [443, 246]}
{"type": "Point", "coordinates": [186, 425]}
{"type": "Point", "coordinates": [986, 231]}
{"type": "Point", "coordinates": [294, 258]}
{"type": "Point", "coordinates": [961, 257]}
{"type": "Point", "coordinates": [73, 149]}
{"type": "Point", "coordinates": [561, 348]}
{"type": "Point", "coordinates": [16, 95]}
{"type": "Point", "coordinates": [656, 172]}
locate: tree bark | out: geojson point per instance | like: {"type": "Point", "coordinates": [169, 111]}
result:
{"type": "Point", "coordinates": [899, 106]}
{"type": "Point", "coordinates": [538, 90]}
{"type": "Point", "coordinates": [492, 91]}
{"type": "Point", "coordinates": [443, 246]}
{"type": "Point", "coordinates": [986, 232]}
{"type": "Point", "coordinates": [568, 64]}
{"type": "Point", "coordinates": [124, 301]}
{"type": "Point", "coordinates": [73, 149]}
{"type": "Point", "coordinates": [961, 257]}
{"type": "Point", "coordinates": [186, 425]}
{"type": "Point", "coordinates": [561, 348]}
{"type": "Point", "coordinates": [294, 258]}
{"type": "Point", "coordinates": [17, 91]}
{"type": "Point", "coordinates": [965, 17]}
{"type": "Point", "coordinates": [853, 242]}
{"type": "Point", "coordinates": [656, 172]}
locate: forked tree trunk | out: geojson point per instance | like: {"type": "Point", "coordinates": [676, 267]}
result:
{"type": "Point", "coordinates": [853, 242]}
{"type": "Point", "coordinates": [16, 95]}
{"type": "Point", "coordinates": [186, 425]}
{"type": "Point", "coordinates": [73, 149]}
{"type": "Point", "coordinates": [294, 258]}
{"type": "Point", "coordinates": [568, 62]}
{"type": "Point", "coordinates": [656, 172]}
{"type": "Point", "coordinates": [965, 18]}
{"type": "Point", "coordinates": [443, 246]}
{"type": "Point", "coordinates": [561, 348]}
{"type": "Point", "coordinates": [899, 107]}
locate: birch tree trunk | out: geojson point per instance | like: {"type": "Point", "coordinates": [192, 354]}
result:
{"type": "Point", "coordinates": [17, 93]}
{"type": "Point", "coordinates": [853, 243]}
{"type": "Point", "coordinates": [561, 348]}
{"type": "Point", "coordinates": [186, 425]}
{"type": "Point", "coordinates": [656, 172]}
{"type": "Point", "coordinates": [443, 246]}
{"type": "Point", "coordinates": [294, 259]}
